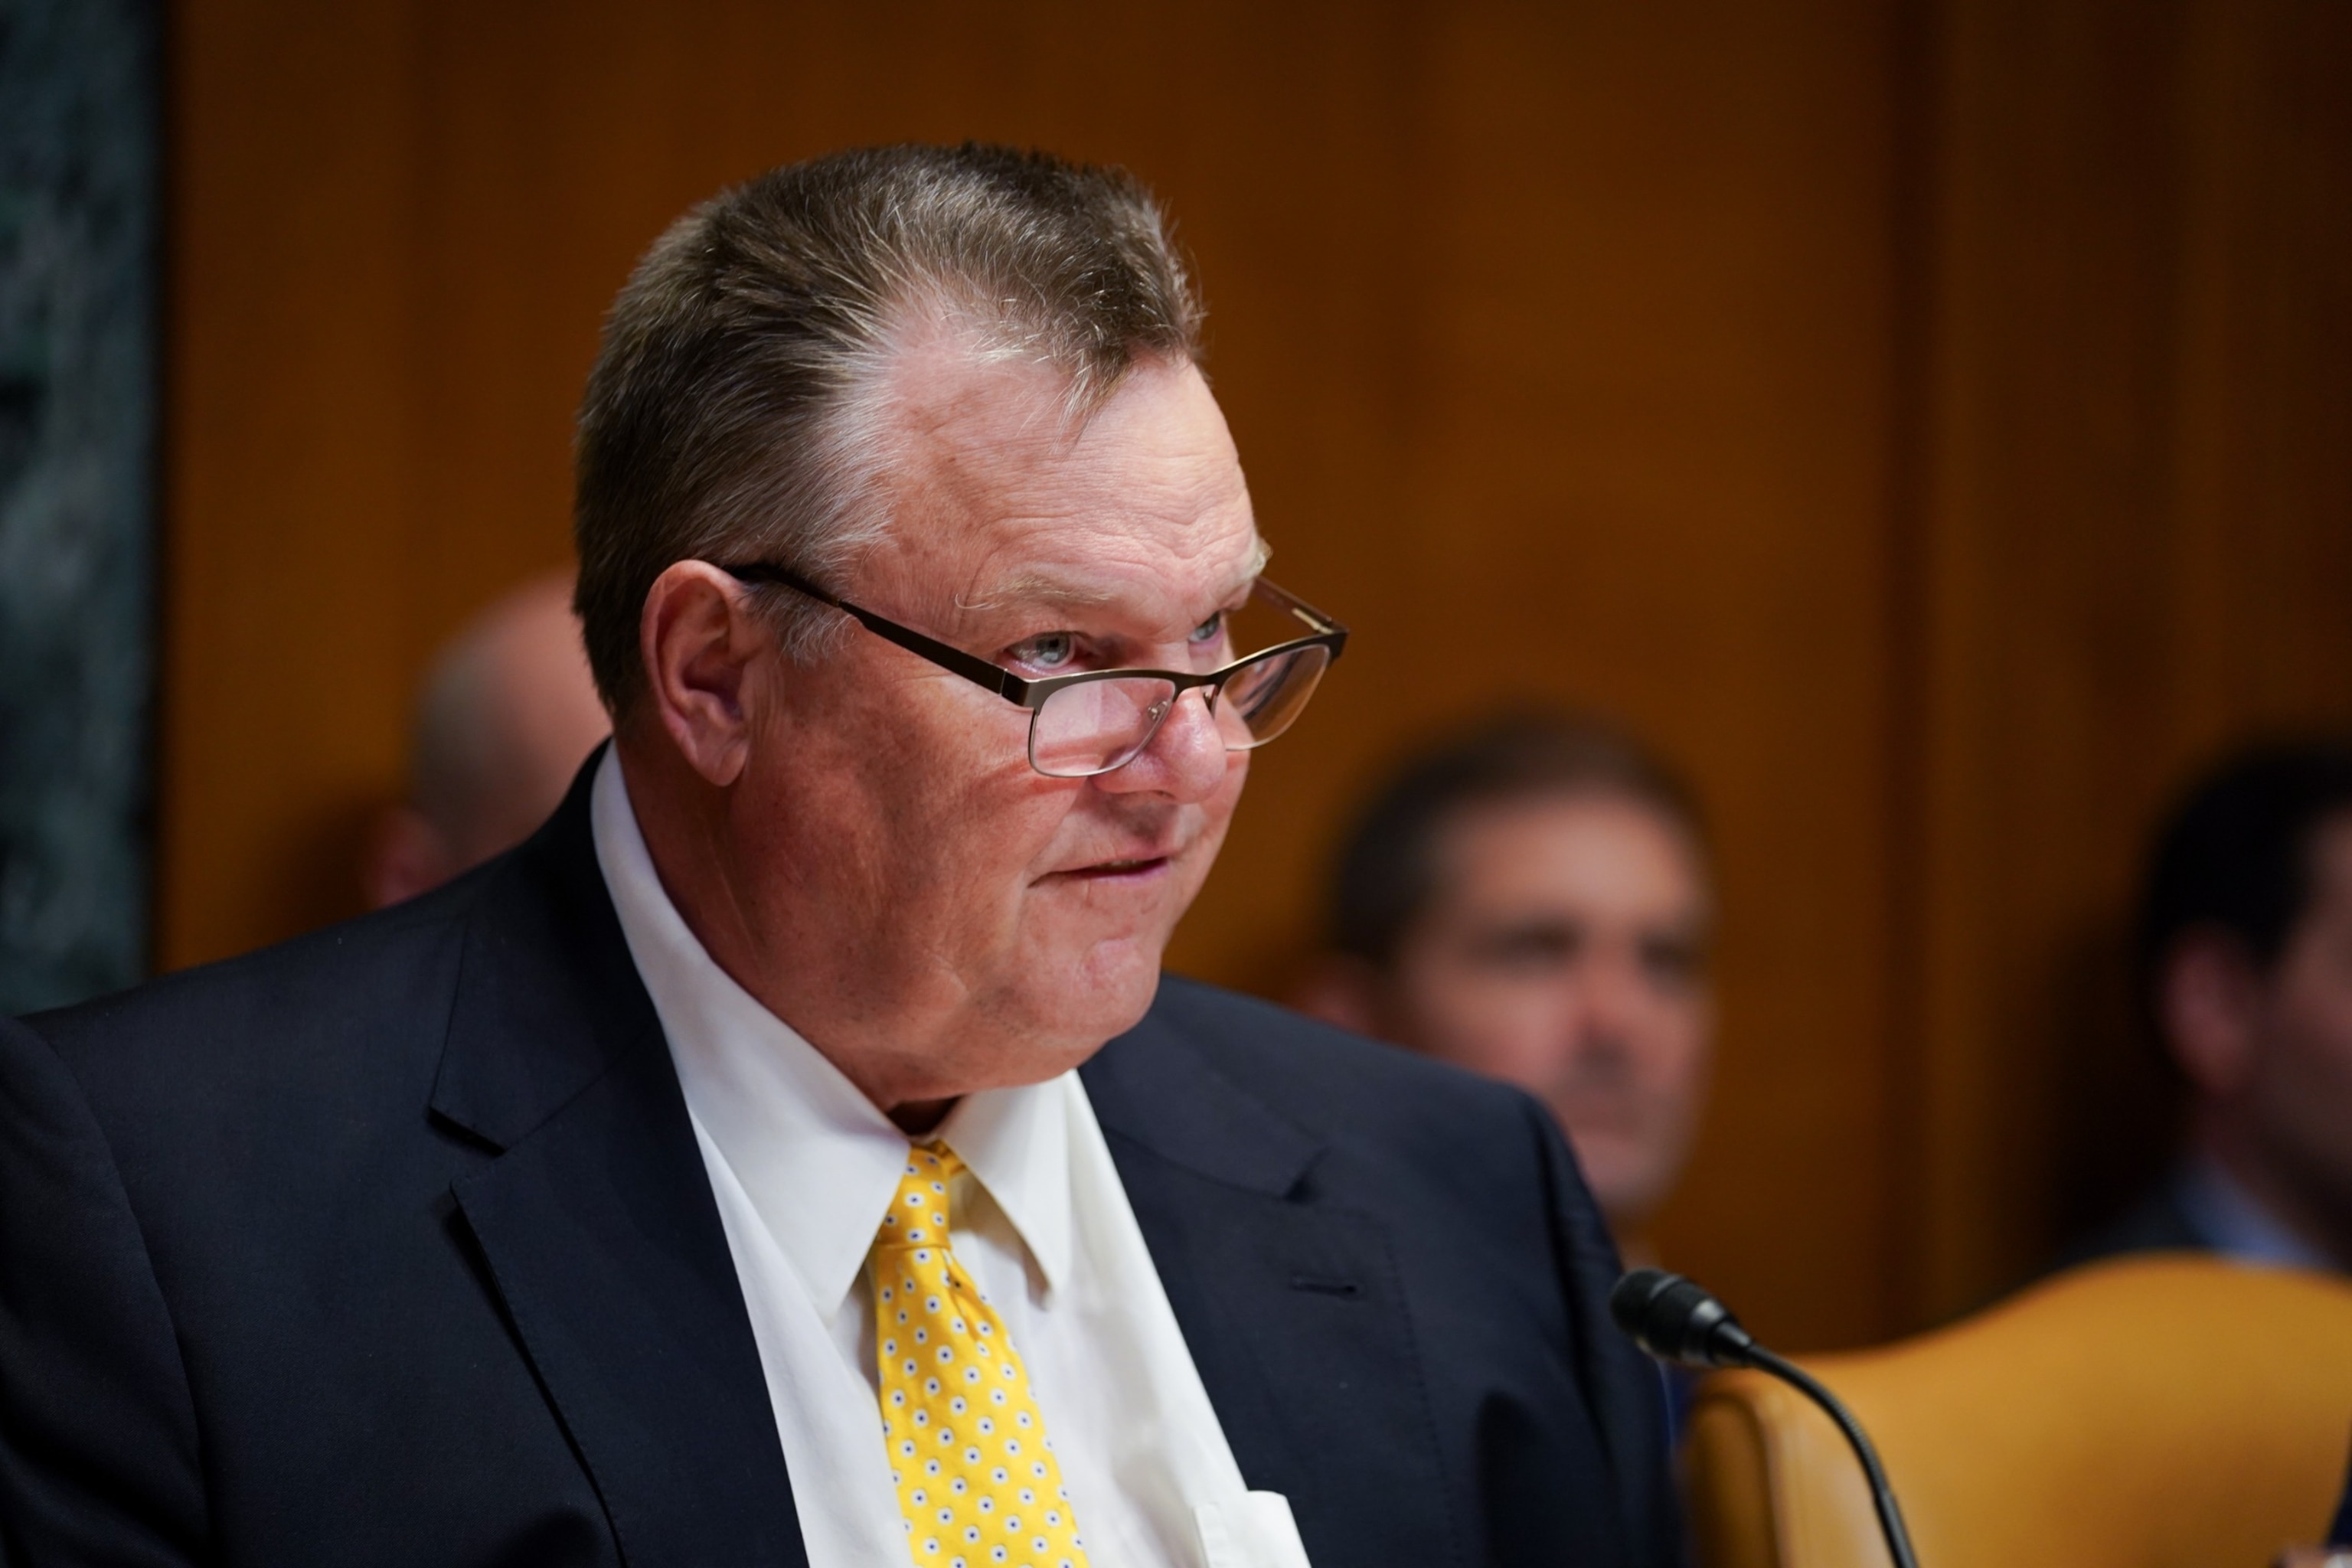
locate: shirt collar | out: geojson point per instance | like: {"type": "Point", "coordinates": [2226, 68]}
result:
{"type": "Point", "coordinates": [2234, 1223]}
{"type": "Point", "coordinates": [1017, 1143]}
{"type": "Point", "coordinates": [818, 1160]}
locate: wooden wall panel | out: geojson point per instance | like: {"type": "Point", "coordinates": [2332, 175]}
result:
{"type": "Point", "coordinates": [1930, 494]}
{"type": "Point", "coordinates": [2137, 544]}
{"type": "Point", "coordinates": [1645, 474]}
{"type": "Point", "coordinates": [287, 471]}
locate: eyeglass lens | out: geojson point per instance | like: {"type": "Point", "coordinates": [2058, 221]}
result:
{"type": "Point", "coordinates": [1098, 725]}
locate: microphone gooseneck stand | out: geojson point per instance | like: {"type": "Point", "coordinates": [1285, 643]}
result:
{"type": "Point", "coordinates": [1679, 1321]}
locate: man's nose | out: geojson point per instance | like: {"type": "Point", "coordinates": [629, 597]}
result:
{"type": "Point", "coordinates": [1614, 1001]}
{"type": "Point", "coordinates": [1186, 759]}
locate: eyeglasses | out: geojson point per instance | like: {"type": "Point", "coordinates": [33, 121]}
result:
{"type": "Point", "coordinates": [1099, 720]}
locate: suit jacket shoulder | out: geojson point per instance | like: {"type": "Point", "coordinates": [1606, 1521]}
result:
{"type": "Point", "coordinates": [388, 1244]}
{"type": "Point", "coordinates": [2157, 1223]}
{"type": "Point", "coordinates": [1394, 1284]}
{"type": "Point", "coordinates": [331, 1026]}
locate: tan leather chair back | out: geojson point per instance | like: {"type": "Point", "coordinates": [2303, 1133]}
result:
{"type": "Point", "coordinates": [2172, 1411]}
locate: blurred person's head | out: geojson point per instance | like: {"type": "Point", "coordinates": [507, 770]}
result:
{"type": "Point", "coordinates": [1532, 900]}
{"type": "Point", "coordinates": [504, 719]}
{"type": "Point", "coordinates": [2245, 955]}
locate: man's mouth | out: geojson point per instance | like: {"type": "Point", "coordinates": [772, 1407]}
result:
{"type": "Point", "coordinates": [1111, 868]}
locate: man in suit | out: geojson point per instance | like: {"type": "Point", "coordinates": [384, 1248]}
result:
{"type": "Point", "coordinates": [2246, 962]}
{"type": "Point", "coordinates": [791, 1153]}
{"type": "Point", "coordinates": [1531, 899]}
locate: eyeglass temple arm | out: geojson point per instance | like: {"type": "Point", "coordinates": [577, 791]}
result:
{"type": "Point", "coordinates": [1306, 611]}
{"type": "Point", "coordinates": [979, 671]}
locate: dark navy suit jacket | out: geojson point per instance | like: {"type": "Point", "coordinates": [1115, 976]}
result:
{"type": "Point", "coordinates": [393, 1245]}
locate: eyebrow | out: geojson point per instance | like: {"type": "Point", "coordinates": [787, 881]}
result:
{"type": "Point", "coordinates": [1050, 590]}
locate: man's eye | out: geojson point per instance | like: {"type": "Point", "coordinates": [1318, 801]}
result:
{"type": "Point", "coordinates": [1672, 963]}
{"type": "Point", "coordinates": [1528, 950]}
{"type": "Point", "coordinates": [1209, 630]}
{"type": "Point", "coordinates": [1051, 650]}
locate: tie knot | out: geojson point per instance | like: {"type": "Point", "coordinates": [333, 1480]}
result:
{"type": "Point", "coordinates": [918, 1215]}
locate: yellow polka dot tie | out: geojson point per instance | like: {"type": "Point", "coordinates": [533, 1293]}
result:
{"type": "Point", "coordinates": [977, 1479]}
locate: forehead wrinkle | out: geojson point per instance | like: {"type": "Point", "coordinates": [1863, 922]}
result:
{"type": "Point", "coordinates": [994, 460]}
{"type": "Point", "coordinates": [1049, 589]}
{"type": "Point", "coordinates": [977, 422]}
{"type": "Point", "coordinates": [1043, 589]}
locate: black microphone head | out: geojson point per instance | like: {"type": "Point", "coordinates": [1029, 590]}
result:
{"type": "Point", "coordinates": [1676, 1320]}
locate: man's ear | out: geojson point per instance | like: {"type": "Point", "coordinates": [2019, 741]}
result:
{"type": "Point", "coordinates": [700, 638]}
{"type": "Point", "coordinates": [2208, 1002]}
{"type": "Point", "coordinates": [1340, 988]}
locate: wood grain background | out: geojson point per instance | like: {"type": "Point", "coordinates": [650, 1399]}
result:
{"type": "Point", "coordinates": [1931, 422]}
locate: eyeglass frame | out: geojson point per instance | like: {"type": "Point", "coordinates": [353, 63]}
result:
{"type": "Point", "coordinates": [1031, 695]}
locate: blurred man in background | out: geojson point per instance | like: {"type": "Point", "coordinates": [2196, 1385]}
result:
{"type": "Point", "coordinates": [504, 718]}
{"type": "Point", "coordinates": [1532, 900]}
{"type": "Point", "coordinates": [2245, 964]}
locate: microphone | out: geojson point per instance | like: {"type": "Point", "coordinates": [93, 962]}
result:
{"type": "Point", "coordinates": [1679, 1321]}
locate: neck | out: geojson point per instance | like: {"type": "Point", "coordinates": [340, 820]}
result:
{"type": "Point", "coordinates": [2308, 1215]}
{"type": "Point", "coordinates": [918, 1118]}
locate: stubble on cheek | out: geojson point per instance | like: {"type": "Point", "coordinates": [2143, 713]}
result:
{"type": "Point", "coordinates": [1097, 936]}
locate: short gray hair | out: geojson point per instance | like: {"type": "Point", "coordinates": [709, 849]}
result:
{"type": "Point", "coordinates": [730, 413]}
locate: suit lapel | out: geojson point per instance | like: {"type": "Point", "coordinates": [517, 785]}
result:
{"type": "Point", "coordinates": [1290, 1304]}
{"type": "Point", "coordinates": [595, 1221]}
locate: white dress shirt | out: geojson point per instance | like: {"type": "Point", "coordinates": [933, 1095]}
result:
{"type": "Point", "coordinates": [804, 1167]}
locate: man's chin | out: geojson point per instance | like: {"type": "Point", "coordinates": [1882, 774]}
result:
{"type": "Point", "coordinates": [1110, 989]}
{"type": "Point", "coordinates": [1058, 1033]}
